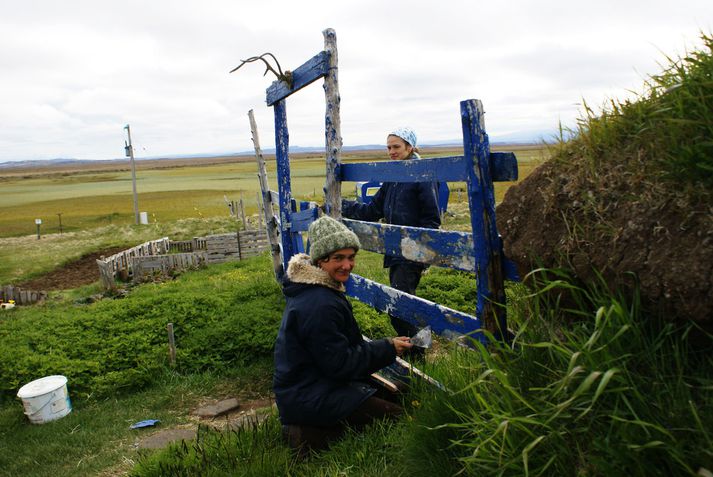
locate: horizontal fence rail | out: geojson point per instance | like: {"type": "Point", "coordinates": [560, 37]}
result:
{"type": "Point", "coordinates": [442, 248]}
{"type": "Point", "coordinates": [442, 169]}
{"type": "Point", "coordinates": [449, 323]}
{"type": "Point", "coordinates": [315, 68]}
{"type": "Point", "coordinates": [430, 246]}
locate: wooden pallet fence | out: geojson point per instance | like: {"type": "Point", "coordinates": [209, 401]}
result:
{"type": "Point", "coordinates": [183, 246]}
{"type": "Point", "coordinates": [153, 256]}
{"type": "Point", "coordinates": [235, 246]}
{"type": "Point", "coordinates": [199, 243]}
{"type": "Point", "coordinates": [106, 274]}
{"type": "Point", "coordinates": [222, 248]}
{"type": "Point", "coordinates": [20, 296]}
{"type": "Point", "coordinates": [252, 243]}
{"type": "Point", "coordinates": [164, 264]}
{"type": "Point", "coordinates": [120, 264]}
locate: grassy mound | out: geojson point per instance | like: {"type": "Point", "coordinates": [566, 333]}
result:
{"type": "Point", "coordinates": [629, 196]}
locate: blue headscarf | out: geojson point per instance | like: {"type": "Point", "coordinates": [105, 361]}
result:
{"type": "Point", "coordinates": [405, 133]}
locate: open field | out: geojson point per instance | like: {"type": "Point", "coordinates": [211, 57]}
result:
{"type": "Point", "coordinates": [184, 199]}
{"type": "Point", "coordinates": [100, 194]}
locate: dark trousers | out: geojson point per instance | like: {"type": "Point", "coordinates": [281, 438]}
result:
{"type": "Point", "coordinates": [406, 277]}
{"type": "Point", "coordinates": [302, 438]}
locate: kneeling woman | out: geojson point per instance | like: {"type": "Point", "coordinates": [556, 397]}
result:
{"type": "Point", "coordinates": [322, 363]}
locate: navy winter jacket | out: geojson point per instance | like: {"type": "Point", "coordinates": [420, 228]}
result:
{"type": "Point", "coordinates": [322, 363]}
{"type": "Point", "coordinates": [400, 203]}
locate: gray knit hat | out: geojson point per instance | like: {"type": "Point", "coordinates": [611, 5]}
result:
{"type": "Point", "coordinates": [327, 235]}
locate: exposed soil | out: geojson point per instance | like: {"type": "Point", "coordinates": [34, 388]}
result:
{"type": "Point", "coordinates": [82, 271]}
{"type": "Point", "coordinates": [557, 219]}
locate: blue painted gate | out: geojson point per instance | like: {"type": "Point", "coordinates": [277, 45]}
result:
{"type": "Point", "coordinates": [479, 252]}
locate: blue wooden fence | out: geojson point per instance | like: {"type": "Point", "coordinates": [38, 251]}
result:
{"type": "Point", "coordinates": [479, 252]}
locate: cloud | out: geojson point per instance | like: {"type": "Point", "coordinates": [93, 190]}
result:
{"type": "Point", "coordinates": [73, 77]}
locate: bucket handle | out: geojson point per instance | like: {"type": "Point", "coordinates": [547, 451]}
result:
{"type": "Point", "coordinates": [54, 393]}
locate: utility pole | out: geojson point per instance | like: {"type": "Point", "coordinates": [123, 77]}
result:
{"type": "Point", "coordinates": [59, 214]}
{"type": "Point", "coordinates": [130, 153]}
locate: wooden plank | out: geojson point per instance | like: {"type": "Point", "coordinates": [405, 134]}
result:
{"type": "Point", "coordinates": [106, 274]}
{"type": "Point", "coordinates": [290, 245]}
{"type": "Point", "coordinates": [432, 246]}
{"type": "Point", "coordinates": [333, 134]}
{"type": "Point", "coordinates": [248, 244]}
{"type": "Point", "coordinates": [441, 169]}
{"type": "Point", "coordinates": [446, 322]}
{"type": "Point", "coordinates": [423, 170]}
{"type": "Point", "coordinates": [256, 246]}
{"type": "Point", "coordinates": [254, 250]}
{"type": "Point", "coordinates": [253, 233]}
{"type": "Point", "coordinates": [481, 198]}
{"type": "Point", "coordinates": [385, 383]}
{"type": "Point", "coordinates": [274, 197]}
{"type": "Point", "coordinates": [252, 243]}
{"type": "Point", "coordinates": [242, 214]}
{"type": "Point", "coordinates": [302, 219]}
{"type": "Point", "coordinates": [303, 75]}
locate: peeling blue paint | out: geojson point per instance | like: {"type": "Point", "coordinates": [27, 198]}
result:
{"type": "Point", "coordinates": [415, 310]}
{"type": "Point", "coordinates": [314, 69]}
{"type": "Point", "coordinates": [479, 252]}
{"type": "Point", "coordinates": [503, 166]}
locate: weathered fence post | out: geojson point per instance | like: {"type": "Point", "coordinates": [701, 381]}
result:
{"type": "Point", "coordinates": [258, 201]}
{"type": "Point", "coordinates": [267, 205]}
{"type": "Point", "coordinates": [171, 345]}
{"type": "Point", "coordinates": [333, 135]}
{"type": "Point", "coordinates": [488, 250]}
{"type": "Point", "coordinates": [242, 213]}
{"type": "Point", "coordinates": [284, 183]}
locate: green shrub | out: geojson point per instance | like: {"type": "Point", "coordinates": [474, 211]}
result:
{"type": "Point", "coordinates": [223, 316]}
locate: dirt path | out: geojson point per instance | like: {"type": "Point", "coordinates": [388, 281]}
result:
{"type": "Point", "coordinates": [71, 275]}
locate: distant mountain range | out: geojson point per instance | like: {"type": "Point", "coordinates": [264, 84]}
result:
{"type": "Point", "coordinates": [296, 149]}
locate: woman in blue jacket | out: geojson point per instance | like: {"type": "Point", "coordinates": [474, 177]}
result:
{"type": "Point", "coordinates": [414, 204]}
{"type": "Point", "coordinates": [322, 363]}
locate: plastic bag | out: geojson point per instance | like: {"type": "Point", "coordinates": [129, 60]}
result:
{"type": "Point", "coordinates": [422, 339]}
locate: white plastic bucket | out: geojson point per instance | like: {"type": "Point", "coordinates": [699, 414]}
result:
{"type": "Point", "coordinates": [45, 399]}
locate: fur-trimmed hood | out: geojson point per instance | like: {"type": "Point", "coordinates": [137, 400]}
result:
{"type": "Point", "coordinates": [301, 270]}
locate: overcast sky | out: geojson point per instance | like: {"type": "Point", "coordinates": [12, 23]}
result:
{"type": "Point", "coordinates": [75, 72]}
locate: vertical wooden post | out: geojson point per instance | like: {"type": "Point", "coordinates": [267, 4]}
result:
{"type": "Point", "coordinates": [267, 205]}
{"type": "Point", "coordinates": [490, 305]}
{"type": "Point", "coordinates": [171, 345]}
{"type": "Point", "coordinates": [284, 183]}
{"type": "Point", "coordinates": [242, 213]}
{"type": "Point", "coordinates": [259, 208]}
{"type": "Point", "coordinates": [333, 135]}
